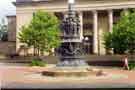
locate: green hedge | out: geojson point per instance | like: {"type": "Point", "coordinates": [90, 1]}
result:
{"type": "Point", "coordinates": [38, 62]}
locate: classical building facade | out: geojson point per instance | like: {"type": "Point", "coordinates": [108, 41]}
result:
{"type": "Point", "coordinates": [96, 17]}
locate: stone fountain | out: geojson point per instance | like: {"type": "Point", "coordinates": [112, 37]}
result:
{"type": "Point", "coordinates": [71, 54]}
{"type": "Point", "coordinates": [70, 50]}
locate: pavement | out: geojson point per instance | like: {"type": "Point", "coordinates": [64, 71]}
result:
{"type": "Point", "coordinates": [14, 76]}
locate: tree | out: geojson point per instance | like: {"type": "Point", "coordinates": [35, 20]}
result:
{"type": "Point", "coordinates": [108, 42]}
{"type": "Point", "coordinates": [42, 33]}
{"type": "Point", "coordinates": [3, 31]}
{"type": "Point", "coordinates": [123, 36]}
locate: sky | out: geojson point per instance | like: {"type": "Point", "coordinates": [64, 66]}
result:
{"type": "Point", "coordinates": [6, 8]}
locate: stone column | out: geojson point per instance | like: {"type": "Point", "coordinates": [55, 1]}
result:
{"type": "Point", "coordinates": [81, 25]}
{"type": "Point", "coordinates": [95, 32]}
{"type": "Point", "coordinates": [110, 14]}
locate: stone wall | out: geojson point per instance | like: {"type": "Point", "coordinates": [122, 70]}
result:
{"type": "Point", "coordinates": [103, 60]}
{"type": "Point", "coordinates": [7, 48]}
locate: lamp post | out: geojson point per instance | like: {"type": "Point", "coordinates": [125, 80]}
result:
{"type": "Point", "coordinates": [70, 50]}
{"type": "Point", "coordinates": [70, 5]}
{"type": "Point", "coordinates": [71, 1]}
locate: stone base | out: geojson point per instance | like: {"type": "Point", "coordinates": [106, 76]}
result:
{"type": "Point", "coordinates": [72, 71]}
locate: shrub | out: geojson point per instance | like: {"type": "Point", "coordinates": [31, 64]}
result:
{"type": "Point", "coordinates": [38, 62]}
{"type": "Point", "coordinates": [122, 38]}
{"type": "Point", "coordinates": [131, 65]}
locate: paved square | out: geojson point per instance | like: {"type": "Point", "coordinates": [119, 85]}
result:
{"type": "Point", "coordinates": [30, 77]}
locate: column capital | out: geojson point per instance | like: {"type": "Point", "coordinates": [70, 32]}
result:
{"type": "Point", "coordinates": [110, 10]}
{"type": "Point", "coordinates": [94, 11]}
{"type": "Point", "coordinates": [80, 12]}
{"type": "Point", "coordinates": [125, 9]}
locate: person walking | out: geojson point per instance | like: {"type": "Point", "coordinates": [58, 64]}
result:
{"type": "Point", "coordinates": [126, 65]}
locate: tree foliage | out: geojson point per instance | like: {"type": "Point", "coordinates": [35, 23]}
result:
{"type": "Point", "coordinates": [122, 38]}
{"type": "Point", "coordinates": [42, 33]}
{"type": "Point", "coordinates": [3, 31]}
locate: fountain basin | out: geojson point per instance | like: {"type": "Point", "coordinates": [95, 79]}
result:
{"type": "Point", "coordinates": [72, 72]}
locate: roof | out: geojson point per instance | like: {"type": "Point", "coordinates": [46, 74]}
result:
{"type": "Point", "coordinates": [8, 16]}
{"type": "Point", "coordinates": [21, 2]}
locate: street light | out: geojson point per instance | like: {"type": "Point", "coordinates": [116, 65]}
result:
{"type": "Point", "coordinates": [86, 38]}
{"type": "Point", "coordinates": [71, 6]}
{"type": "Point", "coordinates": [71, 1]}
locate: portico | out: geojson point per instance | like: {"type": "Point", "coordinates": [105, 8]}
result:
{"type": "Point", "coordinates": [96, 17]}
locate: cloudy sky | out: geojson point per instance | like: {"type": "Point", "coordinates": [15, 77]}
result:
{"type": "Point", "coordinates": [6, 8]}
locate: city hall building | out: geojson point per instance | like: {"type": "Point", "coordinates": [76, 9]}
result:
{"type": "Point", "coordinates": [96, 17]}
